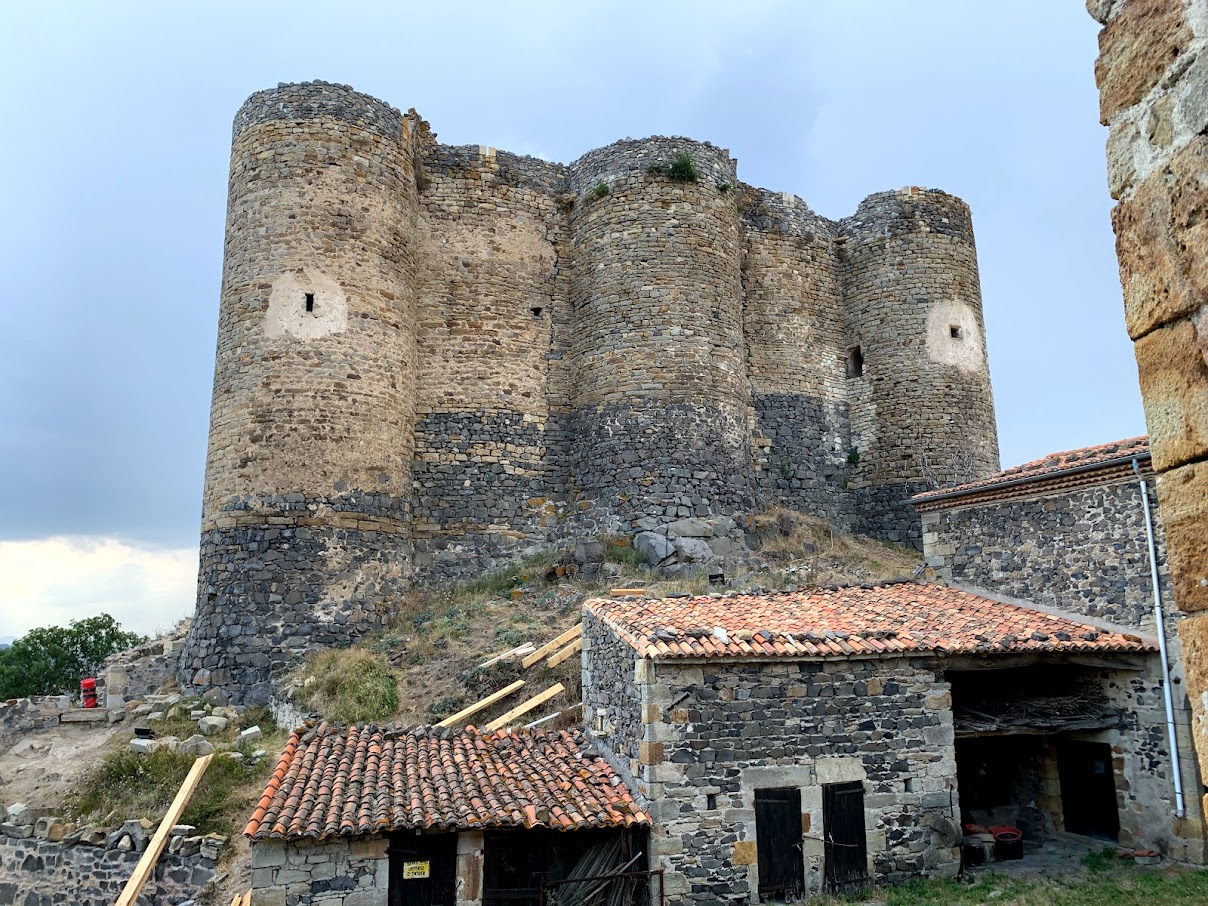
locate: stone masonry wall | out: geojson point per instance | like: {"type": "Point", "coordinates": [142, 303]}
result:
{"type": "Point", "coordinates": [38, 873]}
{"type": "Point", "coordinates": [433, 360]}
{"type": "Point", "coordinates": [1152, 74]}
{"type": "Point", "coordinates": [334, 872]}
{"type": "Point", "coordinates": [711, 734]}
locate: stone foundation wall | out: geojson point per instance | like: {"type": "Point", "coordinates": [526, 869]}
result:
{"type": "Point", "coordinates": [334, 872]}
{"type": "Point", "coordinates": [140, 672]}
{"type": "Point", "coordinates": [38, 873]}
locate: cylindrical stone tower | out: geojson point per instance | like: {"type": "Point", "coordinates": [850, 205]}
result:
{"type": "Point", "coordinates": [305, 534]}
{"type": "Point", "coordinates": [662, 399]}
{"type": "Point", "coordinates": [922, 412]}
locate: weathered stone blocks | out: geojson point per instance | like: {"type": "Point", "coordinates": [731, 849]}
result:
{"type": "Point", "coordinates": [1183, 497]}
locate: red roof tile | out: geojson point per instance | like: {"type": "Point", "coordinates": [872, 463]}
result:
{"type": "Point", "coordinates": [361, 780]}
{"type": "Point", "coordinates": [1052, 465]}
{"type": "Point", "coordinates": [900, 618]}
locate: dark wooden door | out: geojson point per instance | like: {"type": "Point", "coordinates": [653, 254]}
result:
{"type": "Point", "coordinates": [1088, 789]}
{"type": "Point", "coordinates": [423, 869]}
{"type": "Point", "coordinates": [778, 843]}
{"type": "Point", "coordinates": [846, 849]}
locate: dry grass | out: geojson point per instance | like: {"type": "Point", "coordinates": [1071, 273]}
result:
{"type": "Point", "coordinates": [440, 636]}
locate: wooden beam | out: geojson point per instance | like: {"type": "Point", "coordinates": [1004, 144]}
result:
{"type": "Point", "coordinates": [573, 648]}
{"type": "Point", "coordinates": [627, 593]}
{"type": "Point", "coordinates": [247, 898]}
{"type": "Point", "coordinates": [481, 703]}
{"type": "Point", "coordinates": [573, 633]}
{"type": "Point", "coordinates": [142, 871]}
{"type": "Point", "coordinates": [518, 651]}
{"type": "Point", "coordinates": [526, 707]}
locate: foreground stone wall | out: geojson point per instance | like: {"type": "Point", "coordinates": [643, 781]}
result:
{"type": "Point", "coordinates": [698, 740]}
{"type": "Point", "coordinates": [1152, 74]}
{"type": "Point", "coordinates": [39, 873]}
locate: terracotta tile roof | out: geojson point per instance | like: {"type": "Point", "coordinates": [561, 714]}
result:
{"type": "Point", "coordinates": [334, 780]}
{"type": "Point", "coordinates": [900, 618]}
{"type": "Point", "coordinates": [1052, 465]}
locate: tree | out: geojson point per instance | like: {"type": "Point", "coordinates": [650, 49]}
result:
{"type": "Point", "coordinates": [53, 659]}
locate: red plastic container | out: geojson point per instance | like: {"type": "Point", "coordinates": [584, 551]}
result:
{"type": "Point", "coordinates": [88, 692]}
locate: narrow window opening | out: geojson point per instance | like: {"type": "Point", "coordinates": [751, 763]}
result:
{"type": "Point", "coordinates": [908, 784]}
{"type": "Point", "coordinates": [855, 362]}
{"type": "Point", "coordinates": [955, 331]}
{"type": "Point", "coordinates": [310, 301]}
{"type": "Point", "coordinates": [536, 310]}
{"type": "Point", "coordinates": [712, 801]}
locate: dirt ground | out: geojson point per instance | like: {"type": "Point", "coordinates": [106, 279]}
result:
{"type": "Point", "coordinates": [37, 769]}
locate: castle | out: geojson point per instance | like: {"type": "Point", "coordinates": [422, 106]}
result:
{"type": "Point", "coordinates": [432, 358]}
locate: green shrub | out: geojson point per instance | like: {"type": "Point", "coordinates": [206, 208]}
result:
{"type": "Point", "coordinates": [599, 190]}
{"type": "Point", "coordinates": [683, 168]}
{"type": "Point", "coordinates": [351, 686]}
{"type": "Point", "coordinates": [125, 785]}
{"type": "Point", "coordinates": [723, 187]}
{"type": "Point", "coordinates": [620, 550]}
{"type": "Point", "coordinates": [53, 659]}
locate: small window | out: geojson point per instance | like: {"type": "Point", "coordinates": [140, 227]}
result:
{"type": "Point", "coordinates": [855, 362]}
{"type": "Point", "coordinates": [711, 801]}
{"type": "Point", "coordinates": [536, 310]}
{"type": "Point", "coordinates": [954, 330]}
{"type": "Point", "coordinates": [310, 301]}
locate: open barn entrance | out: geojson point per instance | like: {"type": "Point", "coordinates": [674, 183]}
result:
{"type": "Point", "coordinates": [1030, 752]}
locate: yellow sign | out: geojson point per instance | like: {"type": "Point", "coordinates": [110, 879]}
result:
{"type": "Point", "coordinates": [415, 870]}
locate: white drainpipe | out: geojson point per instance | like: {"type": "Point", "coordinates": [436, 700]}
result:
{"type": "Point", "coordinates": [1179, 808]}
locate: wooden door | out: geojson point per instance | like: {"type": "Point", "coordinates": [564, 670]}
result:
{"type": "Point", "coordinates": [778, 843]}
{"type": "Point", "coordinates": [846, 849]}
{"type": "Point", "coordinates": [423, 869]}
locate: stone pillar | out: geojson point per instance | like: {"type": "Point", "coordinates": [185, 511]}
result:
{"type": "Point", "coordinates": [1152, 74]}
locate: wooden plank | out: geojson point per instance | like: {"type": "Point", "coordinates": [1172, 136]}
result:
{"type": "Point", "coordinates": [142, 871]}
{"type": "Point", "coordinates": [573, 633]}
{"type": "Point", "coordinates": [247, 898]}
{"type": "Point", "coordinates": [481, 703]}
{"type": "Point", "coordinates": [627, 593]}
{"type": "Point", "coordinates": [573, 648]}
{"type": "Point", "coordinates": [519, 650]}
{"type": "Point", "coordinates": [526, 707]}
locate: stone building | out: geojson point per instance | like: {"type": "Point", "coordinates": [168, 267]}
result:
{"type": "Point", "coordinates": [1070, 531]}
{"type": "Point", "coordinates": [1152, 74]}
{"type": "Point", "coordinates": [363, 816]}
{"type": "Point", "coordinates": [431, 358]}
{"type": "Point", "coordinates": [802, 741]}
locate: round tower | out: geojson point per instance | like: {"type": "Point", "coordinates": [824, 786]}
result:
{"type": "Point", "coordinates": [922, 412]}
{"type": "Point", "coordinates": [661, 401]}
{"type": "Point", "coordinates": [305, 518]}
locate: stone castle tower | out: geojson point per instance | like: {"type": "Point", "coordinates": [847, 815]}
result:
{"type": "Point", "coordinates": [431, 358]}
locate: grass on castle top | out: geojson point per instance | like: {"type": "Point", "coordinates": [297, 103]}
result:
{"type": "Point", "coordinates": [425, 666]}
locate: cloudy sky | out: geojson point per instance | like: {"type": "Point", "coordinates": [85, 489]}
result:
{"type": "Point", "coordinates": [113, 181]}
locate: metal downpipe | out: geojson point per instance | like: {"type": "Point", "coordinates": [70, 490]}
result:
{"type": "Point", "coordinates": [1159, 618]}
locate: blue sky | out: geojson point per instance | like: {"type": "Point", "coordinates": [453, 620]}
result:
{"type": "Point", "coordinates": [113, 183]}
